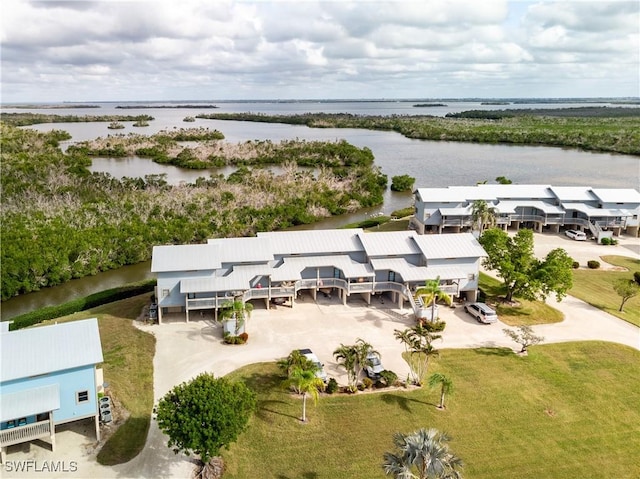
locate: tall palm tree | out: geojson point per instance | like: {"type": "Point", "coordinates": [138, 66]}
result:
{"type": "Point", "coordinates": [306, 383]}
{"type": "Point", "coordinates": [432, 293]}
{"type": "Point", "coordinates": [423, 454]}
{"type": "Point", "coordinates": [445, 383]}
{"type": "Point", "coordinates": [347, 357]}
{"type": "Point", "coordinates": [237, 311]}
{"type": "Point", "coordinates": [482, 215]}
{"type": "Point", "coordinates": [296, 359]}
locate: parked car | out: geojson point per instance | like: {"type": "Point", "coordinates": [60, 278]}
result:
{"type": "Point", "coordinates": [576, 235]}
{"type": "Point", "coordinates": [320, 373]}
{"type": "Point", "coordinates": [482, 312]}
{"type": "Point", "coordinates": [375, 367]}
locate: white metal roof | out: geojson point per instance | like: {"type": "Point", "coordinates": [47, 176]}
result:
{"type": "Point", "coordinates": [454, 245]}
{"type": "Point", "coordinates": [29, 402]}
{"type": "Point", "coordinates": [314, 241]}
{"type": "Point", "coordinates": [592, 211]}
{"type": "Point", "coordinates": [617, 195]}
{"type": "Point", "coordinates": [389, 243]}
{"type": "Point", "coordinates": [518, 191]}
{"type": "Point", "coordinates": [408, 271]}
{"type": "Point", "coordinates": [238, 279]}
{"type": "Point", "coordinates": [46, 349]}
{"type": "Point", "coordinates": [187, 257]}
{"type": "Point", "coordinates": [573, 193]}
{"type": "Point", "coordinates": [541, 205]}
{"type": "Point", "coordinates": [250, 250]}
{"type": "Point", "coordinates": [291, 268]}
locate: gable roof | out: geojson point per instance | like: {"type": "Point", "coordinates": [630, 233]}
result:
{"type": "Point", "coordinates": [185, 257]}
{"type": "Point", "coordinates": [47, 349]}
{"type": "Point", "coordinates": [455, 245]}
{"type": "Point", "coordinates": [336, 241]}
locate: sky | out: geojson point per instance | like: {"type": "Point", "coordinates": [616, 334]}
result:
{"type": "Point", "coordinates": [157, 50]}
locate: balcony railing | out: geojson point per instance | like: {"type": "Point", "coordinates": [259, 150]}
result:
{"type": "Point", "coordinates": [20, 434]}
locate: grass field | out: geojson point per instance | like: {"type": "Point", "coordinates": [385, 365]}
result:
{"type": "Point", "coordinates": [525, 313]}
{"type": "Point", "coordinates": [128, 369]}
{"type": "Point", "coordinates": [565, 411]}
{"type": "Point", "coordinates": [595, 287]}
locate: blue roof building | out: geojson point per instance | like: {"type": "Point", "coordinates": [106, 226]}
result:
{"type": "Point", "coordinates": [48, 376]}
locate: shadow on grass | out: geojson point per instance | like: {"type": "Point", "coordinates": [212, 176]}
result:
{"type": "Point", "coordinates": [263, 409]}
{"type": "Point", "coordinates": [305, 475]}
{"type": "Point", "coordinates": [494, 351]}
{"type": "Point", "coordinates": [402, 401]}
{"type": "Point", "coordinates": [126, 443]}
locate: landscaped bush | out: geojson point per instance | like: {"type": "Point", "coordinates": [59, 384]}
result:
{"type": "Point", "coordinates": [636, 277]}
{"type": "Point", "coordinates": [81, 304]}
{"type": "Point", "coordinates": [230, 339]}
{"type": "Point", "coordinates": [332, 386]}
{"type": "Point", "coordinates": [244, 337]}
{"type": "Point", "coordinates": [401, 213]}
{"type": "Point", "coordinates": [593, 264]}
{"type": "Point", "coordinates": [388, 377]}
{"type": "Point", "coordinates": [360, 387]}
{"type": "Point", "coordinates": [605, 241]}
{"type": "Point", "coordinates": [433, 326]}
{"type": "Point", "coordinates": [576, 265]}
{"type": "Point", "coordinates": [367, 383]}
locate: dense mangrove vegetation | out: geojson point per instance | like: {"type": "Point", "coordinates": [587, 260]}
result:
{"type": "Point", "coordinates": [59, 221]}
{"type": "Point", "coordinates": [605, 134]}
{"type": "Point", "coordinates": [26, 119]}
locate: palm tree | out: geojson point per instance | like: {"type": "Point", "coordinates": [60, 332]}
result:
{"type": "Point", "coordinates": [423, 454]}
{"type": "Point", "coordinates": [347, 357]}
{"type": "Point", "coordinates": [296, 359]}
{"type": "Point", "coordinates": [237, 311]}
{"type": "Point", "coordinates": [363, 351]}
{"type": "Point", "coordinates": [432, 293]}
{"type": "Point", "coordinates": [445, 383]}
{"type": "Point", "coordinates": [418, 349]}
{"type": "Point", "coordinates": [305, 382]}
{"type": "Point", "coordinates": [483, 215]}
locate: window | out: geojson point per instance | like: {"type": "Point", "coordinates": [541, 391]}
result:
{"type": "Point", "coordinates": [42, 417]}
{"type": "Point", "coordinates": [22, 421]}
{"type": "Point", "coordinates": [82, 396]}
{"type": "Point", "coordinates": [336, 273]}
{"type": "Point", "coordinates": [392, 276]}
{"type": "Point", "coordinates": [11, 424]}
{"type": "Point", "coordinates": [165, 293]}
{"type": "Point", "coordinates": [191, 295]}
{"type": "Point", "coordinates": [471, 277]}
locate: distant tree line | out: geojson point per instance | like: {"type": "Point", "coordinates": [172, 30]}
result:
{"type": "Point", "coordinates": [607, 134]}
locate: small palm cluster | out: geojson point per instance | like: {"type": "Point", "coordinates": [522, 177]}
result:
{"type": "Point", "coordinates": [354, 358]}
{"type": "Point", "coordinates": [423, 454]}
{"type": "Point", "coordinates": [301, 377]}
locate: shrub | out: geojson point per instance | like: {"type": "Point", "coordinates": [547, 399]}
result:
{"type": "Point", "coordinates": [605, 241]}
{"type": "Point", "coordinates": [433, 326]}
{"type": "Point", "coordinates": [636, 277]}
{"type": "Point", "coordinates": [402, 183]}
{"type": "Point", "coordinates": [401, 213]}
{"type": "Point", "coordinates": [332, 386]}
{"type": "Point", "coordinates": [593, 264]}
{"type": "Point", "coordinates": [576, 265]}
{"type": "Point", "coordinates": [244, 337]}
{"type": "Point", "coordinates": [81, 304]}
{"type": "Point", "coordinates": [389, 377]}
{"type": "Point", "coordinates": [361, 387]}
{"type": "Point", "coordinates": [367, 383]}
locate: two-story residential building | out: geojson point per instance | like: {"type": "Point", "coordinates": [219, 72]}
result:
{"type": "Point", "coordinates": [48, 377]}
{"type": "Point", "coordinates": [600, 211]}
{"type": "Point", "coordinates": [279, 266]}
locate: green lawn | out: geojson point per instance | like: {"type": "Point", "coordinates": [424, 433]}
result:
{"type": "Point", "coordinates": [128, 369]}
{"type": "Point", "coordinates": [565, 411]}
{"type": "Point", "coordinates": [596, 288]}
{"type": "Point", "coordinates": [525, 313]}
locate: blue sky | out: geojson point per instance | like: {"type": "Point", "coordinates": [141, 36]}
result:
{"type": "Point", "coordinates": [225, 50]}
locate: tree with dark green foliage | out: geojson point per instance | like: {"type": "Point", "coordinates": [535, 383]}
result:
{"type": "Point", "coordinates": [205, 414]}
{"type": "Point", "coordinates": [522, 274]}
{"type": "Point", "coordinates": [402, 183]}
{"type": "Point", "coordinates": [626, 289]}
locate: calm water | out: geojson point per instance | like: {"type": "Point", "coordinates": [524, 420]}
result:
{"type": "Point", "coordinates": [433, 164]}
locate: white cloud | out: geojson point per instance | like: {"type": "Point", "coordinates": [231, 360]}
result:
{"type": "Point", "coordinates": [114, 50]}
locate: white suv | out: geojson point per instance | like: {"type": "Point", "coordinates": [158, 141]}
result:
{"type": "Point", "coordinates": [482, 312]}
{"type": "Point", "coordinates": [320, 373]}
{"type": "Point", "coordinates": [576, 235]}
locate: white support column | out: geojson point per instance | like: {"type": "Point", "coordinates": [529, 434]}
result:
{"type": "Point", "coordinates": [97, 428]}
{"type": "Point", "coordinates": [52, 431]}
